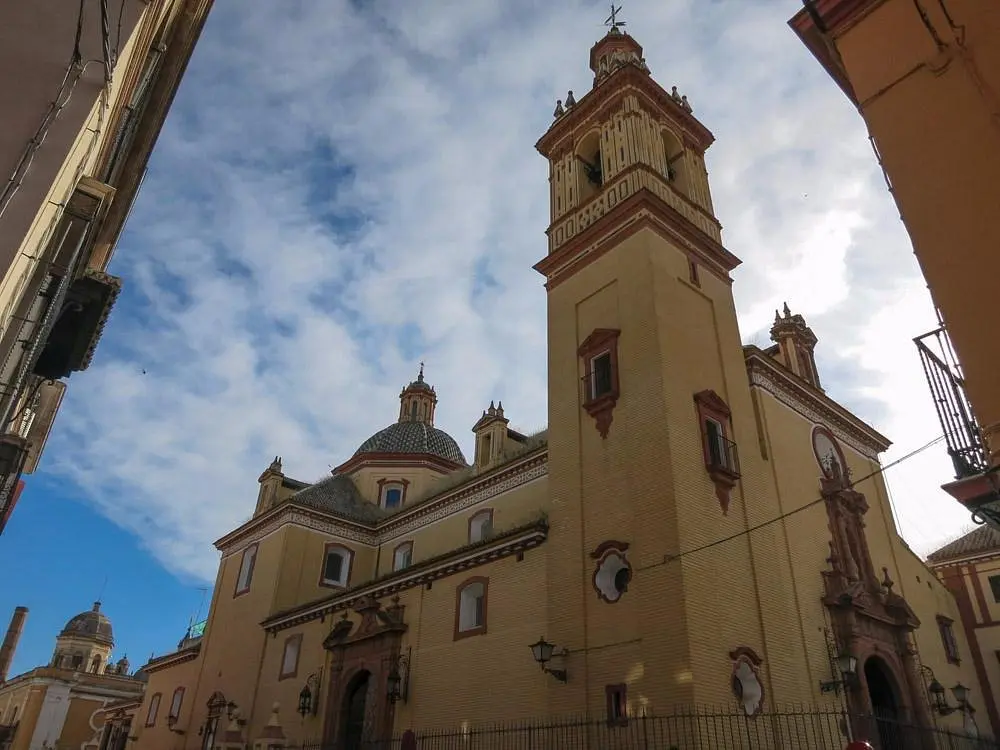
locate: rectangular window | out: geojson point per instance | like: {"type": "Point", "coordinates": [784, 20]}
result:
{"type": "Point", "coordinates": [403, 556]}
{"type": "Point", "coordinates": [600, 375]}
{"type": "Point", "coordinates": [617, 704]}
{"type": "Point", "coordinates": [334, 567]}
{"type": "Point", "coordinates": [290, 657]}
{"type": "Point", "coordinates": [480, 526]}
{"type": "Point", "coordinates": [948, 640]}
{"type": "Point", "coordinates": [246, 570]}
{"type": "Point", "coordinates": [470, 614]}
{"type": "Point", "coordinates": [154, 708]}
{"type": "Point", "coordinates": [995, 587]}
{"type": "Point", "coordinates": [175, 703]}
{"type": "Point", "coordinates": [393, 497]}
{"type": "Point", "coordinates": [716, 443]}
{"type": "Point", "coordinates": [208, 738]}
{"type": "Point", "coordinates": [693, 273]}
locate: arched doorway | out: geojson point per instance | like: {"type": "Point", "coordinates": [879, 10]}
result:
{"type": "Point", "coordinates": [354, 711]}
{"type": "Point", "coordinates": [885, 704]}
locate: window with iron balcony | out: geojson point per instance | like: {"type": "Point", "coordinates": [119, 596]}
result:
{"type": "Point", "coordinates": [600, 381]}
{"type": "Point", "coordinates": [719, 450]}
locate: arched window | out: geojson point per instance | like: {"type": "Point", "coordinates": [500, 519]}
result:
{"type": "Point", "coordinates": [336, 572]}
{"type": "Point", "coordinates": [675, 169]}
{"type": "Point", "coordinates": [480, 526]}
{"type": "Point", "coordinates": [470, 607]}
{"type": "Point", "coordinates": [402, 557]}
{"type": "Point", "coordinates": [95, 665]}
{"type": "Point", "coordinates": [391, 493]}
{"type": "Point", "coordinates": [589, 167]}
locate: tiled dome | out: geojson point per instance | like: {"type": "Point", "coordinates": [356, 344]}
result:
{"type": "Point", "coordinates": [93, 624]}
{"type": "Point", "coordinates": [413, 437]}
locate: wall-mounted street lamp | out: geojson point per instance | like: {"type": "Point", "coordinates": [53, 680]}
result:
{"type": "Point", "coordinates": [309, 695]}
{"type": "Point", "coordinates": [940, 702]}
{"type": "Point", "coordinates": [398, 680]}
{"type": "Point", "coordinates": [846, 665]}
{"type": "Point", "coordinates": [543, 651]}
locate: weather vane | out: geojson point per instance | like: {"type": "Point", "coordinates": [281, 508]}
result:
{"type": "Point", "coordinates": [612, 20]}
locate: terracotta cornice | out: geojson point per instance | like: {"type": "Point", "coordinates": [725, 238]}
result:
{"type": "Point", "coordinates": [641, 210]}
{"type": "Point", "coordinates": [441, 566]}
{"type": "Point", "coordinates": [626, 80]}
{"type": "Point", "coordinates": [361, 460]}
{"type": "Point", "coordinates": [812, 403]}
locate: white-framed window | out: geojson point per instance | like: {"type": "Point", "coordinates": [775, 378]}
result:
{"type": "Point", "coordinates": [290, 656]}
{"type": "Point", "coordinates": [480, 526]}
{"type": "Point", "coordinates": [246, 570]}
{"type": "Point", "coordinates": [175, 703]}
{"type": "Point", "coordinates": [470, 614]}
{"type": "Point", "coordinates": [336, 566]}
{"type": "Point", "coordinates": [154, 708]}
{"type": "Point", "coordinates": [392, 495]}
{"type": "Point", "coordinates": [403, 556]}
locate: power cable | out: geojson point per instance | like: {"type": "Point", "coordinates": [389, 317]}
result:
{"type": "Point", "coordinates": [671, 558]}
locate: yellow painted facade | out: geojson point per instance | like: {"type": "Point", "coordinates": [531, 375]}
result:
{"type": "Point", "coordinates": [698, 517]}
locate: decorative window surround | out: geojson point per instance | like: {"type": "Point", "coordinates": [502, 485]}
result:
{"type": "Point", "coordinates": [612, 573]}
{"type": "Point", "coordinates": [511, 476]}
{"type": "Point", "coordinates": [290, 655]}
{"type": "Point", "coordinates": [948, 640]}
{"type": "Point", "coordinates": [721, 458]}
{"type": "Point", "coordinates": [747, 685]}
{"type": "Point", "coordinates": [392, 489]}
{"type": "Point", "coordinates": [502, 545]}
{"type": "Point", "coordinates": [599, 353]}
{"type": "Point", "coordinates": [332, 575]}
{"type": "Point", "coordinates": [471, 604]}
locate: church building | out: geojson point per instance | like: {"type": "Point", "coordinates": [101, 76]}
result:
{"type": "Point", "coordinates": [69, 702]}
{"type": "Point", "coordinates": [700, 525]}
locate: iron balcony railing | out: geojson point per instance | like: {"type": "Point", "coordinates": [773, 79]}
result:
{"type": "Point", "coordinates": [944, 376]}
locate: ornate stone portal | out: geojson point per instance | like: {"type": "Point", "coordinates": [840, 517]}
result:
{"type": "Point", "coordinates": [358, 706]}
{"type": "Point", "coordinates": [870, 620]}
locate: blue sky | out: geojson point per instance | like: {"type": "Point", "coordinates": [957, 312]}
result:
{"type": "Point", "coordinates": [343, 190]}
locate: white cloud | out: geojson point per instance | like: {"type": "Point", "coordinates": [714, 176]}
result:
{"type": "Point", "coordinates": [341, 193]}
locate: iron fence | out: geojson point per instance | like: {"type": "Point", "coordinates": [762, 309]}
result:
{"type": "Point", "coordinates": [788, 729]}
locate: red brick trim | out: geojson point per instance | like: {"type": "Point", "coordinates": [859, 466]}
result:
{"type": "Point", "coordinates": [977, 588]}
{"type": "Point", "coordinates": [481, 630]}
{"type": "Point", "coordinates": [369, 459]}
{"type": "Point", "coordinates": [327, 548]}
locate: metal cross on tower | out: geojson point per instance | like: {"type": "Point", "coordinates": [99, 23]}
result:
{"type": "Point", "coordinates": [612, 20]}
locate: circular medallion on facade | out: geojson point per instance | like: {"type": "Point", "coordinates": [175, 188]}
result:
{"type": "Point", "coordinates": [828, 453]}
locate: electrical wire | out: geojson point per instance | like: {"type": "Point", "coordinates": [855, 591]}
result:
{"type": "Point", "coordinates": [668, 558]}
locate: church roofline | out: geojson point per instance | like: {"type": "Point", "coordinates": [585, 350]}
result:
{"type": "Point", "coordinates": [411, 515]}
{"type": "Point", "coordinates": [596, 103]}
{"type": "Point", "coordinates": [172, 659]}
{"type": "Point", "coordinates": [504, 544]}
{"type": "Point", "coordinates": [795, 393]}
{"type": "Point", "coordinates": [360, 460]}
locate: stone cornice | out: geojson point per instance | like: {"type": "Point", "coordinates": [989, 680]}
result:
{"type": "Point", "coordinates": [788, 389]}
{"type": "Point", "coordinates": [521, 470]}
{"type": "Point", "coordinates": [172, 660]}
{"type": "Point", "coordinates": [471, 556]}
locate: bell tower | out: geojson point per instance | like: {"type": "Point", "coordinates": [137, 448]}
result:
{"type": "Point", "coordinates": [649, 403]}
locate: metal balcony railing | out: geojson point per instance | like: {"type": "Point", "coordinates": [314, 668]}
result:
{"type": "Point", "coordinates": [944, 376]}
{"type": "Point", "coordinates": [723, 455]}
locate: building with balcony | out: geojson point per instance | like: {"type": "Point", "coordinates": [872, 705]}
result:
{"type": "Point", "coordinates": [925, 76]}
{"type": "Point", "coordinates": [701, 523]}
{"type": "Point", "coordinates": [78, 698]}
{"type": "Point", "coordinates": [84, 98]}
